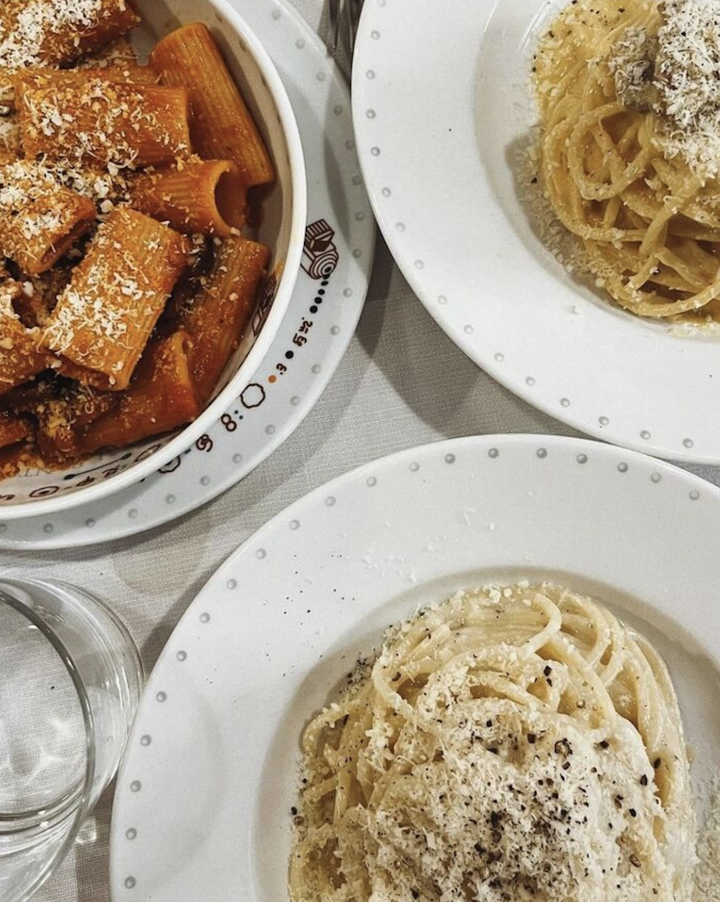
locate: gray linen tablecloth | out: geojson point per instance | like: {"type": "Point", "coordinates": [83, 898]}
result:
{"type": "Point", "coordinates": [401, 371]}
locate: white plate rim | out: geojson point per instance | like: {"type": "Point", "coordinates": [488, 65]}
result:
{"type": "Point", "coordinates": [214, 595]}
{"type": "Point", "coordinates": [376, 40]}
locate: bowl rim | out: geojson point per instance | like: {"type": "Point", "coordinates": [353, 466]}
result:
{"type": "Point", "coordinates": [286, 284]}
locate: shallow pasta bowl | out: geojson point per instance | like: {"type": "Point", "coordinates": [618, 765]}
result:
{"type": "Point", "coordinates": [282, 229]}
{"type": "Point", "coordinates": [468, 244]}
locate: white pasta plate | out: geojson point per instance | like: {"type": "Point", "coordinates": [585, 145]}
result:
{"type": "Point", "coordinates": [37, 492]}
{"type": "Point", "coordinates": [269, 638]}
{"type": "Point", "coordinates": [443, 106]}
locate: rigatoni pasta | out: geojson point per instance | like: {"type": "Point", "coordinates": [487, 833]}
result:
{"type": "Point", "coordinates": [215, 318]}
{"type": "Point", "coordinates": [102, 123]}
{"type": "Point", "coordinates": [221, 125]}
{"type": "Point", "coordinates": [105, 316]}
{"type": "Point", "coordinates": [51, 32]}
{"type": "Point", "coordinates": [80, 77]}
{"type": "Point", "coordinates": [198, 196]}
{"type": "Point", "coordinates": [56, 32]}
{"type": "Point", "coordinates": [61, 420]}
{"type": "Point", "coordinates": [118, 52]}
{"type": "Point", "coordinates": [126, 282]}
{"type": "Point", "coordinates": [39, 218]}
{"type": "Point", "coordinates": [20, 358]}
{"type": "Point", "coordinates": [162, 397]}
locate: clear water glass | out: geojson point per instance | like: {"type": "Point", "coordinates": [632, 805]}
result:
{"type": "Point", "coordinates": [70, 681]}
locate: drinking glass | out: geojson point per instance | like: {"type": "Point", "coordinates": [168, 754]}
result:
{"type": "Point", "coordinates": [70, 681]}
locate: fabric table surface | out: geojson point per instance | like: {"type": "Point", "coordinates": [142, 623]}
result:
{"type": "Point", "coordinates": [402, 383]}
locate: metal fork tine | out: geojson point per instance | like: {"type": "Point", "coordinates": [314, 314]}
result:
{"type": "Point", "coordinates": [354, 11]}
{"type": "Point", "coordinates": [344, 17]}
{"type": "Point", "coordinates": [334, 13]}
{"type": "Point", "coordinates": [349, 30]}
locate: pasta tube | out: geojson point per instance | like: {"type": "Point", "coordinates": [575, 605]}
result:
{"type": "Point", "coordinates": [20, 359]}
{"type": "Point", "coordinates": [104, 317]}
{"type": "Point", "coordinates": [13, 428]}
{"type": "Point", "coordinates": [161, 397]}
{"type": "Point", "coordinates": [40, 219]}
{"type": "Point", "coordinates": [102, 123]}
{"type": "Point", "coordinates": [51, 32]}
{"type": "Point", "coordinates": [221, 125]}
{"type": "Point", "coordinates": [205, 196]}
{"type": "Point", "coordinates": [119, 52]}
{"type": "Point", "coordinates": [115, 69]}
{"type": "Point", "coordinates": [215, 319]}
{"type": "Point", "coordinates": [61, 420]}
{"type": "Point", "coordinates": [30, 79]}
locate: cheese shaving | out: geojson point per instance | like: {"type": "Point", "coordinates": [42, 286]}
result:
{"type": "Point", "coordinates": [495, 753]}
{"type": "Point", "coordinates": [676, 73]}
{"type": "Point", "coordinates": [36, 29]}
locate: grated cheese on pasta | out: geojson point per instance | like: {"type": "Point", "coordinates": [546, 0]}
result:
{"type": "Point", "coordinates": [676, 73]}
{"type": "Point", "coordinates": [37, 24]}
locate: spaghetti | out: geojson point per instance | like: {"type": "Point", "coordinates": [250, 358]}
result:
{"type": "Point", "coordinates": [515, 743]}
{"type": "Point", "coordinates": [630, 147]}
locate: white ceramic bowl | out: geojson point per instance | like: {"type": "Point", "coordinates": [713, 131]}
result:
{"type": "Point", "coordinates": [283, 229]}
{"type": "Point", "coordinates": [470, 246]}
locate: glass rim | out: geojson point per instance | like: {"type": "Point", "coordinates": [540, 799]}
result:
{"type": "Point", "coordinates": [52, 812]}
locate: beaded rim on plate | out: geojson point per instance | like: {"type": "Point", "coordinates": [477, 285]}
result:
{"type": "Point", "coordinates": [481, 271]}
{"type": "Point", "coordinates": [316, 586]}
